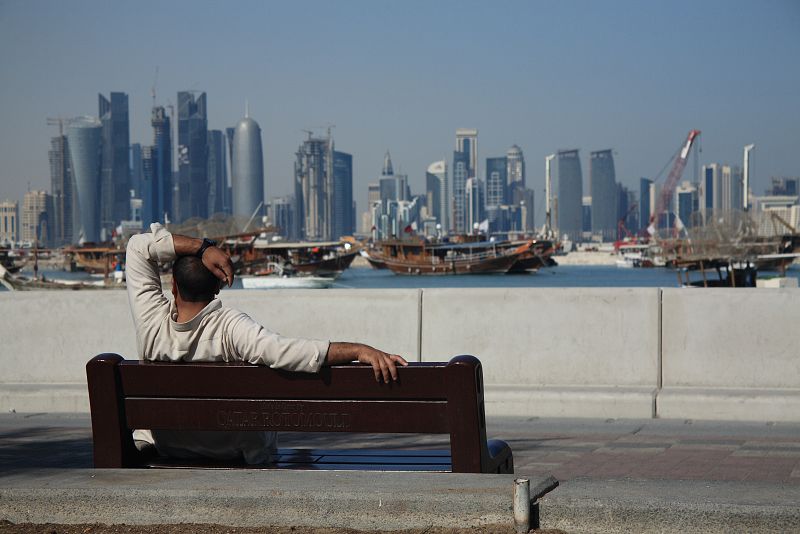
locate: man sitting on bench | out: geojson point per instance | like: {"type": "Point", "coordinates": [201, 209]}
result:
{"type": "Point", "coordinates": [196, 327]}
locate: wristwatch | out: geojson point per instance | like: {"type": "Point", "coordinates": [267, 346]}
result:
{"type": "Point", "coordinates": [206, 243]}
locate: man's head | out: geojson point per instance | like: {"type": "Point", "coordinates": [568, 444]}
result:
{"type": "Point", "coordinates": [193, 281]}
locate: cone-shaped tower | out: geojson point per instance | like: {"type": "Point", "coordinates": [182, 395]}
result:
{"type": "Point", "coordinates": [247, 168]}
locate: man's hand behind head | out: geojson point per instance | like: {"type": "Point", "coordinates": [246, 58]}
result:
{"type": "Point", "coordinates": [219, 263]}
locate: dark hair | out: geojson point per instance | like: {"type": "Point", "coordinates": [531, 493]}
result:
{"type": "Point", "coordinates": [195, 282]}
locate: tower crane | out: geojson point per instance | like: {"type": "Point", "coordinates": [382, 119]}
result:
{"type": "Point", "coordinates": [153, 88]}
{"type": "Point", "coordinates": [674, 177]}
{"type": "Point", "coordinates": [58, 121]}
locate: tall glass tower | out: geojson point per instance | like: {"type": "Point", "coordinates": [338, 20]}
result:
{"type": "Point", "coordinates": [460, 176]}
{"type": "Point", "coordinates": [343, 216]}
{"type": "Point", "coordinates": [84, 137]}
{"type": "Point", "coordinates": [115, 167]}
{"type": "Point", "coordinates": [438, 192]}
{"type": "Point", "coordinates": [602, 178]}
{"type": "Point", "coordinates": [62, 190]}
{"type": "Point", "coordinates": [515, 169]}
{"type": "Point", "coordinates": [192, 190]}
{"type": "Point", "coordinates": [496, 169]}
{"type": "Point", "coordinates": [161, 155]}
{"type": "Point", "coordinates": [644, 202]}
{"type": "Point", "coordinates": [569, 219]}
{"type": "Point", "coordinates": [467, 142]}
{"type": "Point", "coordinates": [217, 172]}
{"type": "Point", "coordinates": [247, 168]}
{"type": "Point", "coordinates": [310, 174]}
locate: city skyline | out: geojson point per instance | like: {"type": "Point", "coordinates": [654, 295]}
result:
{"type": "Point", "coordinates": [635, 78]}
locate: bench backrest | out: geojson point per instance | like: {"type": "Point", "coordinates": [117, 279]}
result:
{"type": "Point", "coordinates": [427, 398]}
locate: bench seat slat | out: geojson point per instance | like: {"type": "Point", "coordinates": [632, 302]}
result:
{"type": "Point", "coordinates": [344, 459]}
{"type": "Point", "coordinates": [428, 468]}
{"type": "Point", "coordinates": [365, 452]}
{"type": "Point", "coordinates": [429, 417]}
{"type": "Point", "coordinates": [236, 380]}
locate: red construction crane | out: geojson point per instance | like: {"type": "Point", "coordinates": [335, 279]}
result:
{"type": "Point", "coordinates": [674, 177]}
{"type": "Point", "coordinates": [621, 228]}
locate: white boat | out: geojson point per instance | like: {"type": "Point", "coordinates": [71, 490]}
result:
{"type": "Point", "coordinates": [276, 276]}
{"type": "Point", "coordinates": [275, 281]}
{"type": "Point", "coordinates": [634, 255]}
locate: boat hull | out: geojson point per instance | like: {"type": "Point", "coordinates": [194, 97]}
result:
{"type": "Point", "coordinates": [497, 265]}
{"type": "Point", "coordinates": [329, 267]}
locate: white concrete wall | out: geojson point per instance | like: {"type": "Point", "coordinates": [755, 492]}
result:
{"type": "Point", "coordinates": [731, 354]}
{"type": "Point", "coordinates": [595, 352]}
{"type": "Point", "coordinates": [598, 344]}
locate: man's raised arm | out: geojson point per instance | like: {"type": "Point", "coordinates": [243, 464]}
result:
{"type": "Point", "coordinates": [144, 253]}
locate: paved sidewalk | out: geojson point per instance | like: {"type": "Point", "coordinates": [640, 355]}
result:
{"type": "Point", "coordinates": [616, 475]}
{"type": "Point", "coordinates": [649, 449]}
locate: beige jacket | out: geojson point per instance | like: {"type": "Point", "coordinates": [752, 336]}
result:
{"type": "Point", "coordinates": [217, 333]}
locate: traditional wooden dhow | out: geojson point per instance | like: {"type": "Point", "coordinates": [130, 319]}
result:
{"type": "Point", "coordinates": [253, 254]}
{"type": "Point", "coordinates": [416, 256]}
{"type": "Point", "coordinates": [96, 259]}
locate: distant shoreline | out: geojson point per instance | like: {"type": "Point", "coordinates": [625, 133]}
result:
{"type": "Point", "coordinates": [585, 257]}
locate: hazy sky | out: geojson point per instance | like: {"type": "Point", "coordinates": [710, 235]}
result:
{"type": "Point", "coordinates": [634, 76]}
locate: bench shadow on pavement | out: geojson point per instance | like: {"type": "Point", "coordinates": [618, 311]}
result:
{"type": "Point", "coordinates": [44, 447]}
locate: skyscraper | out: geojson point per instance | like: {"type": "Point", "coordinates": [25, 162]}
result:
{"type": "Point", "coordinates": [247, 168]}
{"type": "Point", "coordinates": [644, 203]}
{"type": "Point", "coordinates": [392, 186]}
{"type": "Point", "coordinates": [710, 186]}
{"type": "Point", "coordinates": [149, 193]}
{"type": "Point", "coordinates": [161, 158]}
{"type": "Point", "coordinates": [313, 172]}
{"type": "Point", "coordinates": [192, 187]}
{"type": "Point", "coordinates": [526, 204]}
{"type": "Point", "coordinates": [732, 188]}
{"type": "Point", "coordinates": [784, 186]}
{"type": "Point", "coordinates": [497, 181]}
{"type": "Point", "coordinates": [467, 142]}
{"type": "Point", "coordinates": [115, 162]}
{"type": "Point", "coordinates": [136, 172]}
{"type": "Point", "coordinates": [8, 222]}
{"type": "Point", "coordinates": [62, 189]}
{"type": "Point", "coordinates": [515, 170]}
{"type": "Point", "coordinates": [458, 221]}
{"type": "Point", "coordinates": [36, 209]}
{"type": "Point", "coordinates": [343, 216]}
{"type": "Point", "coordinates": [373, 193]}
{"type": "Point", "coordinates": [602, 178]}
{"type": "Point", "coordinates": [438, 192]}
{"type": "Point", "coordinates": [569, 194]}
{"type": "Point", "coordinates": [217, 172]}
{"type": "Point", "coordinates": [626, 210]}
{"type": "Point", "coordinates": [476, 202]}
{"type": "Point", "coordinates": [686, 201]}
{"type": "Point", "coordinates": [282, 216]}
{"type": "Point", "coordinates": [84, 138]}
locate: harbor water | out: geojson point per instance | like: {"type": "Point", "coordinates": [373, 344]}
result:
{"type": "Point", "coordinates": [560, 276]}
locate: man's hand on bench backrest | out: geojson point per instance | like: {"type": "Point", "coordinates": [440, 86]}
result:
{"type": "Point", "coordinates": [384, 365]}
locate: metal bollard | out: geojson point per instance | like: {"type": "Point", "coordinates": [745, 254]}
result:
{"type": "Point", "coordinates": [522, 505]}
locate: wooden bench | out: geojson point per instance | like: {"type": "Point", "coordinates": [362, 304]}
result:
{"type": "Point", "coordinates": [430, 398]}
